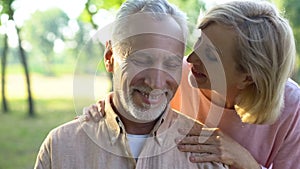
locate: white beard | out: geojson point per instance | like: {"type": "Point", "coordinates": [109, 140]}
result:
{"type": "Point", "coordinates": [148, 112]}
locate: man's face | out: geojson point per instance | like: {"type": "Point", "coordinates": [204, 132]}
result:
{"type": "Point", "coordinates": [146, 80]}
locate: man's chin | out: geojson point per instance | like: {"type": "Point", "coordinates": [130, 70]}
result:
{"type": "Point", "coordinates": [148, 114]}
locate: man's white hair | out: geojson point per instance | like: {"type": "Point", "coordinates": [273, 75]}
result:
{"type": "Point", "coordinates": [137, 9]}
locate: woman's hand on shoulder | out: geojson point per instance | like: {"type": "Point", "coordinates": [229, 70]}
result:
{"type": "Point", "coordinates": [212, 145]}
{"type": "Point", "coordinates": [93, 112]}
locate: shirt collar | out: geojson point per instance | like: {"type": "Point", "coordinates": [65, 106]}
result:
{"type": "Point", "coordinates": [112, 120]}
{"type": "Point", "coordinates": [116, 127]}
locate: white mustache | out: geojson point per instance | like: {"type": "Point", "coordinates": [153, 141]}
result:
{"type": "Point", "coordinates": [148, 92]}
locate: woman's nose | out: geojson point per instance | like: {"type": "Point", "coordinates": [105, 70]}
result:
{"type": "Point", "coordinates": [193, 58]}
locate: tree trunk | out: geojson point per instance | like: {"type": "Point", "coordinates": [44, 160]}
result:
{"type": "Point", "coordinates": [25, 66]}
{"type": "Point", "coordinates": [3, 74]}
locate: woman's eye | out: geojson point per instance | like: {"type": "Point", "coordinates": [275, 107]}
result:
{"type": "Point", "coordinates": [210, 55]}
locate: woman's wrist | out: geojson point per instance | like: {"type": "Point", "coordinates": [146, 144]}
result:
{"type": "Point", "coordinates": [249, 162]}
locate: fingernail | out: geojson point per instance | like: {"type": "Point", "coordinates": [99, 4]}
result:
{"type": "Point", "coordinates": [180, 146]}
{"type": "Point", "coordinates": [192, 159]}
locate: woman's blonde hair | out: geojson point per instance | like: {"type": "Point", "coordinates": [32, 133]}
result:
{"type": "Point", "coordinates": [267, 52]}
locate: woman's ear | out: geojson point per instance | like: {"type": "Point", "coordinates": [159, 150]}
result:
{"type": "Point", "coordinates": [247, 80]}
{"type": "Point", "coordinates": [108, 57]}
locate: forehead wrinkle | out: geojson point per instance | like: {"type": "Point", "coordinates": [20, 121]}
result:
{"type": "Point", "coordinates": [148, 55]}
{"type": "Point", "coordinates": [155, 53]}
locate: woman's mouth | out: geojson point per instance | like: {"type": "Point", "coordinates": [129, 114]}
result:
{"type": "Point", "coordinates": [197, 73]}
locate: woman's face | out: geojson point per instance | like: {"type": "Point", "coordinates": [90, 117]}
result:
{"type": "Point", "coordinates": [212, 62]}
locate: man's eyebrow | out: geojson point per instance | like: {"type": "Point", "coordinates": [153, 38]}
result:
{"type": "Point", "coordinates": [147, 55]}
{"type": "Point", "coordinates": [138, 52]}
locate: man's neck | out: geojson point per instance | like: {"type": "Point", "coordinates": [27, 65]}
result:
{"type": "Point", "coordinates": [137, 128]}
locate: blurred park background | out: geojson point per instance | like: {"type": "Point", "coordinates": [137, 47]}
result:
{"type": "Point", "coordinates": [47, 45]}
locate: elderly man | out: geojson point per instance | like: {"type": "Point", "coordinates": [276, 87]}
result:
{"type": "Point", "coordinates": [139, 129]}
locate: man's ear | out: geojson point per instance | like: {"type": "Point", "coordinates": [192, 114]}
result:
{"type": "Point", "coordinates": [108, 57]}
{"type": "Point", "coordinates": [246, 81]}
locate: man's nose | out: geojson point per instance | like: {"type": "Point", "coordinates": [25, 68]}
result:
{"type": "Point", "coordinates": [156, 79]}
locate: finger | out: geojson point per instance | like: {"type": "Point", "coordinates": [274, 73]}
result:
{"type": "Point", "coordinates": [194, 158]}
{"type": "Point", "coordinates": [187, 140]}
{"type": "Point", "coordinates": [197, 127]}
{"type": "Point", "coordinates": [193, 140]}
{"type": "Point", "coordinates": [209, 132]}
{"type": "Point", "coordinates": [86, 114]}
{"type": "Point", "coordinates": [100, 107]}
{"type": "Point", "coordinates": [204, 131]}
{"type": "Point", "coordinates": [202, 158]}
{"type": "Point", "coordinates": [198, 148]}
{"type": "Point", "coordinates": [94, 113]}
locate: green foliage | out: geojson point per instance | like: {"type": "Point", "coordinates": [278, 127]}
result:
{"type": "Point", "coordinates": [292, 12]}
{"type": "Point", "coordinates": [92, 6]}
{"type": "Point", "coordinates": [85, 17]}
{"type": "Point", "coordinates": [111, 4]}
{"type": "Point", "coordinates": [6, 8]}
{"type": "Point", "coordinates": [42, 33]}
{"type": "Point", "coordinates": [191, 7]}
{"type": "Point", "coordinates": [46, 27]}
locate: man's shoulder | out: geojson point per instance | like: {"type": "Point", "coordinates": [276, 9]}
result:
{"type": "Point", "coordinates": [66, 130]}
{"type": "Point", "coordinates": [75, 132]}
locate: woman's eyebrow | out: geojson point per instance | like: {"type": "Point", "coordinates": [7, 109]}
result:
{"type": "Point", "coordinates": [198, 42]}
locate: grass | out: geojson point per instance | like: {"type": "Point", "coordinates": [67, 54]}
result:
{"type": "Point", "coordinates": [21, 136]}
